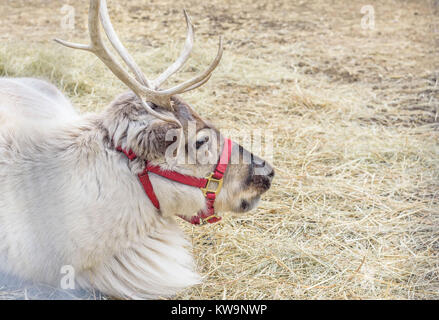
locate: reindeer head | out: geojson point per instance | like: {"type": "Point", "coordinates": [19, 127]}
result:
{"type": "Point", "coordinates": [159, 127]}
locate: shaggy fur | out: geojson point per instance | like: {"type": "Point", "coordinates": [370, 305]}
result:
{"type": "Point", "coordinates": [67, 197]}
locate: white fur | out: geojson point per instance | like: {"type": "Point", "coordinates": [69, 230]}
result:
{"type": "Point", "coordinates": [67, 199]}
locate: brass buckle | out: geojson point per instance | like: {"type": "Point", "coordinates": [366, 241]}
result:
{"type": "Point", "coordinates": [207, 189]}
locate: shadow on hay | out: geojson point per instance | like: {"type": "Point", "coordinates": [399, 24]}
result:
{"type": "Point", "coordinates": [13, 288]}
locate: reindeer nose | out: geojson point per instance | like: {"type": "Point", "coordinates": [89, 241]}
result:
{"type": "Point", "coordinates": [257, 162]}
{"type": "Point", "coordinates": [260, 163]}
{"type": "Point", "coordinates": [264, 175]}
{"type": "Point", "coordinates": [271, 174]}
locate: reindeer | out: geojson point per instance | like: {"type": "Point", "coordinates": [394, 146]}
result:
{"type": "Point", "coordinates": [97, 191]}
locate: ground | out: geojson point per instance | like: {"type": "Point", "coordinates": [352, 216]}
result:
{"type": "Point", "coordinates": [354, 211]}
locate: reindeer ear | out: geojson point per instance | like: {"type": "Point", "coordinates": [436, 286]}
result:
{"type": "Point", "coordinates": [151, 141]}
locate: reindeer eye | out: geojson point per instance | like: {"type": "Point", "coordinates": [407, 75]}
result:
{"type": "Point", "coordinates": [200, 142]}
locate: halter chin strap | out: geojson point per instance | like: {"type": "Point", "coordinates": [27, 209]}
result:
{"type": "Point", "coordinates": [210, 186]}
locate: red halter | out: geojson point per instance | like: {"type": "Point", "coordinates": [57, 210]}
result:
{"type": "Point", "coordinates": [207, 185]}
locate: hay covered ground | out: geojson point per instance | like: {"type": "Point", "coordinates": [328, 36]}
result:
{"type": "Point", "coordinates": [354, 211]}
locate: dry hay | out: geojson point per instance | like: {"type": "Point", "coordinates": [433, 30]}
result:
{"type": "Point", "coordinates": [353, 212]}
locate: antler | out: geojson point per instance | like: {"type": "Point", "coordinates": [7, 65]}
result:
{"type": "Point", "coordinates": [146, 90]}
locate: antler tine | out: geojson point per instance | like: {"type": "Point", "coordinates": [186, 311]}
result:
{"type": "Point", "coordinates": [184, 55]}
{"type": "Point", "coordinates": [98, 47]}
{"type": "Point", "coordinates": [146, 90]}
{"type": "Point", "coordinates": [199, 79]}
{"type": "Point", "coordinates": [198, 84]}
{"type": "Point", "coordinates": [118, 46]}
{"type": "Point", "coordinates": [100, 50]}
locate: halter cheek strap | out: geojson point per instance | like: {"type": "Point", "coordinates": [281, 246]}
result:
{"type": "Point", "coordinates": [210, 186]}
